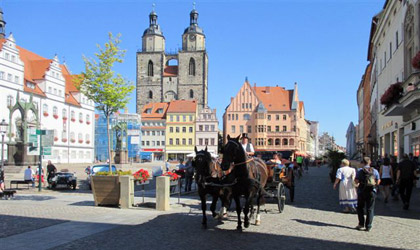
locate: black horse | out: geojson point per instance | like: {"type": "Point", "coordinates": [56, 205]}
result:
{"type": "Point", "coordinates": [250, 176]}
{"type": "Point", "coordinates": [208, 177]}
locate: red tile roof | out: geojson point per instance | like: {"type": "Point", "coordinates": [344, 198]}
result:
{"type": "Point", "coordinates": [170, 71]}
{"type": "Point", "coordinates": [275, 98]}
{"type": "Point", "coordinates": [182, 106]}
{"type": "Point", "coordinates": [154, 106]}
{"type": "Point", "coordinates": [1, 43]}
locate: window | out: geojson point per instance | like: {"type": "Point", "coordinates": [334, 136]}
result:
{"type": "Point", "coordinates": [212, 128]}
{"type": "Point", "coordinates": [177, 118]}
{"type": "Point", "coordinates": [191, 118]}
{"type": "Point", "coordinates": [55, 110]}
{"type": "Point", "coordinates": [171, 141]}
{"type": "Point", "coordinates": [153, 143]}
{"type": "Point", "coordinates": [9, 77]}
{"type": "Point", "coordinates": [157, 143]}
{"type": "Point", "coordinates": [1, 75]}
{"type": "Point", "coordinates": [241, 129]}
{"type": "Point", "coordinates": [16, 79]}
{"type": "Point", "coordinates": [285, 142]}
{"type": "Point", "coordinates": [191, 68]}
{"type": "Point", "coordinates": [191, 93]}
{"type": "Point", "coordinates": [284, 128]}
{"type": "Point", "coordinates": [206, 128]}
{"type": "Point", "coordinates": [9, 101]}
{"type": "Point", "coordinates": [191, 129]}
{"type": "Point", "coordinates": [55, 93]}
{"type": "Point", "coordinates": [237, 117]}
{"type": "Point", "coordinates": [277, 128]}
{"type": "Point", "coordinates": [50, 90]}
{"type": "Point", "coordinates": [284, 117]}
{"type": "Point", "coordinates": [150, 94]}
{"type": "Point", "coordinates": [150, 68]}
{"type": "Point", "coordinates": [277, 142]}
{"type": "Point", "coordinates": [291, 142]}
{"type": "Point", "coordinates": [88, 118]}
{"type": "Point", "coordinates": [184, 141]}
{"type": "Point", "coordinates": [247, 117]}
{"type": "Point", "coordinates": [269, 117]}
{"type": "Point", "coordinates": [268, 128]}
{"type": "Point", "coordinates": [177, 141]}
{"type": "Point", "coordinates": [206, 141]}
{"type": "Point", "coordinates": [249, 129]}
{"type": "Point", "coordinates": [159, 111]}
{"type": "Point", "coordinates": [87, 137]}
{"type": "Point", "coordinates": [212, 141]}
{"type": "Point", "coordinates": [147, 143]}
{"type": "Point", "coordinates": [200, 127]}
{"type": "Point", "coordinates": [190, 141]}
{"type": "Point", "coordinates": [72, 136]}
{"type": "Point", "coordinates": [177, 129]}
{"type": "Point", "coordinates": [184, 129]}
{"type": "Point", "coordinates": [45, 108]}
{"type": "Point", "coordinates": [171, 129]}
{"type": "Point", "coordinates": [184, 118]}
{"type": "Point", "coordinates": [153, 133]}
{"type": "Point", "coordinates": [7, 56]}
{"type": "Point", "coordinates": [142, 143]}
{"type": "Point", "coordinates": [270, 142]}
{"type": "Point", "coordinates": [200, 141]}
{"type": "Point", "coordinates": [13, 58]}
{"type": "Point", "coordinates": [60, 92]}
{"type": "Point", "coordinates": [80, 117]}
{"type": "Point", "coordinates": [162, 132]}
{"type": "Point", "coordinates": [228, 117]}
{"type": "Point", "coordinates": [233, 129]}
{"type": "Point", "coordinates": [396, 39]}
{"type": "Point", "coordinates": [390, 50]}
{"type": "Point", "coordinates": [163, 143]}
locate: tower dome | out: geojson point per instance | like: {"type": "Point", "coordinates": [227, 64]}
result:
{"type": "Point", "coordinates": [154, 28]}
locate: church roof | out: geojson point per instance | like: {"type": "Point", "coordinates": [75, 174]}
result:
{"type": "Point", "coordinates": [170, 71]}
{"type": "Point", "coordinates": [182, 106]}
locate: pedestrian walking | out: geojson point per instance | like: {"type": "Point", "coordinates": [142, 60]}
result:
{"type": "Point", "coordinates": [189, 174]}
{"type": "Point", "coordinates": [347, 190]}
{"type": "Point", "coordinates": [367, 178]}
{"type": "Point", "coordinates": [167, 165]}
{"type": "Point", "coordinates": [406, 179]}
{"type": "Point", "coordinates": [51, 170]}
{"type": "Point", "coordinates": [394, 166]}
{"type": "Point", "coordinates": [386, 175]}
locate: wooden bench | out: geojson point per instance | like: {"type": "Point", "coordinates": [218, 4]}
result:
{"type": "Point", "coordinates": [17, 182]}
{"type": "Point", "coordinates": [7, 194]}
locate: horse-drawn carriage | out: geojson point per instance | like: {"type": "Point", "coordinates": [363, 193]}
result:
{"type": "Point", "coordinates": [275, 186]}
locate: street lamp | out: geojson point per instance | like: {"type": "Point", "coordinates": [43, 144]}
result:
{"type": "Point", "coordinates": [3, 130]}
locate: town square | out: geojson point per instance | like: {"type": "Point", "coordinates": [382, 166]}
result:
{"type": "Point", "coordinates": [210, 124]}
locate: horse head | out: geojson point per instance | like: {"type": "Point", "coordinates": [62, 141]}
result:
{"type": "Point", "coordinates": [202, 161]}
{"type": "Point", "coordinates": [232, 153]}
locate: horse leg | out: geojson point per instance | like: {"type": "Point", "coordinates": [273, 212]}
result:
{"type": "Point", "coordinates": [203, 209]}
{"type": "Point", "coordinates": [238, 212]}
{"type": "Point", "coordinates": [258, 219]}
{"type": "Point", "coordinates": [213, 206]}
{"type": "Point", "coordinates": [248, 205]}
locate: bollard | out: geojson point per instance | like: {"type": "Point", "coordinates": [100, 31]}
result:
{"type": "Point", "coordinates": [162, 193]}
{"type": "Point", "coordinates": [126, 191]}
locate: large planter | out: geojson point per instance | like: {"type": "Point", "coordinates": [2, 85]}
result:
{"type": "Point", "coordinates": [113, 191]}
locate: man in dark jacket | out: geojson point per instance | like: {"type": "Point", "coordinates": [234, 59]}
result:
{"type": "Point", "coordinates": [51, 169]}
{"type": "Point", "coordinates": [406, 178]}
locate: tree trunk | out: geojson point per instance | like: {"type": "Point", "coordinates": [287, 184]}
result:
{"type": "Point", "coordinates": [109, 144]}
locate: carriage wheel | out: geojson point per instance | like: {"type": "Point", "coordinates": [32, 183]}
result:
{"type": "Point", "coordinates": [281, 196]}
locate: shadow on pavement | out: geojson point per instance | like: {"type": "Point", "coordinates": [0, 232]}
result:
{"type": "Point", "coordinates": [33, 197]}
{"type": "Point", "coordinates": [320, 224]}
{"type": "Point", "coordinates": [183, 231]}
{"type": "Point", "coordinates": [11, 225]}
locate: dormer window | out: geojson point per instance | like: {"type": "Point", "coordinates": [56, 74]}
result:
{"type": "Point", "coordinates": [159, 111]}
{"type": "Point", "coordinates": [30, 85]}
{"type": "Point", "coordinates": [148, 111]}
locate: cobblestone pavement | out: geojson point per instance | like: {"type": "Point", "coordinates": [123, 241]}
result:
{"type": "Point", "coordinates": [313, 221]}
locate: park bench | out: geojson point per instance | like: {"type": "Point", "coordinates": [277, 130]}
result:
{"type": "Point", "coordinates": [17, 182]}
{"type": "Point", "coordinates": [7, 194]}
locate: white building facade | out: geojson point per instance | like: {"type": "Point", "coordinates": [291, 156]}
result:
{"type": "Point", "coordinates": [207, 130]}
{"type": "Point", "coordinates": [36, 92]}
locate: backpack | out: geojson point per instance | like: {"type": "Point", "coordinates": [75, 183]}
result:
{"type": "Point", "coordinates": [369, 181]}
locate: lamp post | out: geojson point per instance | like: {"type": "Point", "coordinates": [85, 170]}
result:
{"type": "Point", "coordinates": [3, 130]}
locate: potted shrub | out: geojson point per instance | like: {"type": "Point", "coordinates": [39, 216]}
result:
{"type": "Point", "coordinates": [113, 189]}
{"type": "Point", "coordinates": [174, 179]}
{"type": "Point", "coordinates": [392, 94]}
{"type": "Point", "coordinates": [415, 62]}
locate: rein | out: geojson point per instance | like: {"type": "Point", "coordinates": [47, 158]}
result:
{"type": "Point", "coordinates": [245, 162]}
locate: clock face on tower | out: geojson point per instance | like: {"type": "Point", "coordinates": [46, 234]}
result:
{"type": "Point", "coordinates": [192, 37]}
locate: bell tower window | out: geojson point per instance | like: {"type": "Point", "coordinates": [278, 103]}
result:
{"type": "Point", "coordinates": [150, 94]}
{"type": "Point", "coordinates": [191, 93]}
{"type": "Point", "coordinates": [150, 68]}
{"type": "Point", "coordinates": [191, 69]}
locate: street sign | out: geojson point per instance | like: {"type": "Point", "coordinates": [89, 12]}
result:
{"type": "Point", "coordinates": [48, 138]}
{"type": "Point", "coordinates": [46, 150]}
{"type": "Point", "coordinates": [33, 148]}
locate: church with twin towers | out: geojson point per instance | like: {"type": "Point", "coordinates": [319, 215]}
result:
{"type": "Point", "coordinates": [164, 76]}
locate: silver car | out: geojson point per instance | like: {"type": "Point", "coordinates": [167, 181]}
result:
{"type": "Point", "coordinates": [92, 170]}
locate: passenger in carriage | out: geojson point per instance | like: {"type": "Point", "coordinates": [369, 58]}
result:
{"type": "Point", "coordinates": [277, 159]}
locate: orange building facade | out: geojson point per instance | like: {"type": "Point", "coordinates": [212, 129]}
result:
{"type": "Point", "coordinates": [273, 118]}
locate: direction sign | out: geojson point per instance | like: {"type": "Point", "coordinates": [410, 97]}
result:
{"type": "Point", "coordinates": [46, 150]}
{"type": "Point", "coordinates": [48, 138]}
{"type": "Point", "coordinates": [33, 148]}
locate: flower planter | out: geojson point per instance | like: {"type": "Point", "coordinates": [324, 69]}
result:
{"type": "Point", "coordinates": [415, 62]}
{"type": "Point", "coordinates": [138, 183]}
{"type": "Point", "coordinates": [64, 140]}
{"type": "Point", "coordinates": [173, 184]}
{"type": "Point", "coordinates": [113, 191]}
{"type": "Point", "coordinates": [65, 118]}
{"type": "Point", "coordinates": [73, 120]}
{"type": "Point", "coordinates": [72, 140]}
{"type": "Point", "coordinates": [55, 116]}
{"type": "Point", "coordinates": [87, 122]}
{"type": "Point", "coordinates": [87, 142]}
{"type": "Point", "coordinates": [45, 114]}
{"type": "Point", "coordinates": [81, 121]}
{"type": "Point", "coordinates": [55, 138]}
{"type": "Point", "coordinates": [80, 141]}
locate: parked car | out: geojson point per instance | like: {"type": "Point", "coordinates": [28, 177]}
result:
{"type": "Point", "coordinates": [92, 170]}
{"type": "Point", "coordinates": [66, 179]}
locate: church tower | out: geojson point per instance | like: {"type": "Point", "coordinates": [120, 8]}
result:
{"type": "Point", "coordinates": [193, 63]}
{"type": "Point", "coordinates": [150, 63]}
{"type": "Point", "coordinates": [2, 25]}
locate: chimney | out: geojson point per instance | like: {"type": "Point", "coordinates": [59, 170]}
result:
{"type": "Point", "coordinates": [267, 89]}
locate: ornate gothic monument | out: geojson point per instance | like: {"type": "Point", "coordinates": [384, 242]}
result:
{"type": "Point", "coordinates": [162, 76]}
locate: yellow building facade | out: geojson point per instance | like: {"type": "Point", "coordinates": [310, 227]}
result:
{"type": "Point", "coordinates": [180, 129]}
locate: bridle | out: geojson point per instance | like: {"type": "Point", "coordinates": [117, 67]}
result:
{"type": "Point", "coordinates": [238, 146]}
{"type": "Point", "coordinates": [216, 172]}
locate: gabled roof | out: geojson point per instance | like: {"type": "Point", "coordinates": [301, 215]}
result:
{"type": "Point", "coordinates": [182, 106]}
{"type": "Point", "coordinates": [154, 107]}
{"type": "Point", "coordinates": [275, 98]}
{"type": "Point", "coordinates": [70, 87]}
{"type": "Point", "coordinates": [170, 71]}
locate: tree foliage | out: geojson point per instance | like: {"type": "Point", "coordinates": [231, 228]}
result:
{"type": "Point", "coordinates": [109, 90]}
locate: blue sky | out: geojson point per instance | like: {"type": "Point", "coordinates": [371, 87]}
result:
{"type": "Point", "coordinates": [321, 44]}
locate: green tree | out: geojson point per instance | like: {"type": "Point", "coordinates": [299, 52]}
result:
{"type": "Point", "coordinates": [109, 91]}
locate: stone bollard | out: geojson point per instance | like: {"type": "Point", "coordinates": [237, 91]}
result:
{"type": "Point", "coordinates": [126, 191]}
{"type": "Point", "coordinates": [162, 193]}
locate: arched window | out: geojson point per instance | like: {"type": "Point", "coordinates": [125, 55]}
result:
{"type": "Point", "coordinates": [150, 94]}
{"type": "Point", "coordinates": [191, 93]}
{"type": "Point", "coordinates": [45, 108]}
{"type": "Point", "coordinates": [291, 142]}
{"type": "Point", "coordinates": [191, 68]}
{"type": "Point", "coordinates": [150, 68]}
{"type": "Point", "coordinates": [277, 142]}
{"type": "Point", "coordinates": [55, 110]}
{"type": "Point", "coordinates": [64, 113]}
{"type": "Point", "coordinates": [285, 142]}
{"type": "Point", "coordinates": [270, 142]}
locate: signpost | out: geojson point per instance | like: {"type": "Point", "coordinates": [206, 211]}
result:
{"type": "Point", "coordinates": [46, 140]}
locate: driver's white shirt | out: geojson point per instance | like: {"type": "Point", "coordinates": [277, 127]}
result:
{"type": "Point", "coordinates": [250, 146]}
